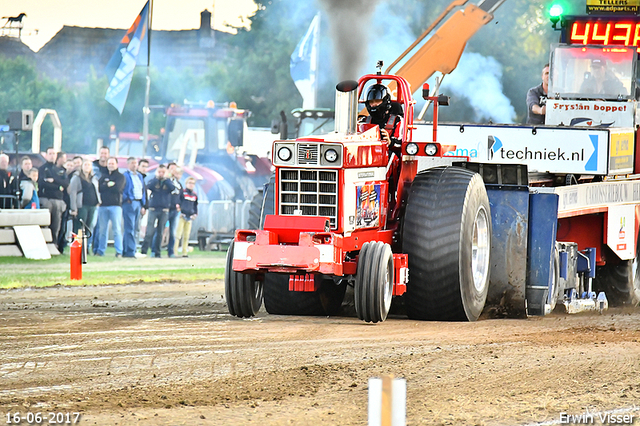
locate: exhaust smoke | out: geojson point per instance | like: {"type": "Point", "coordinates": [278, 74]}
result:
{"type": "Point", "coordinates": [350, 26]}
{"type": "Point", "coordinates": [477, 78]}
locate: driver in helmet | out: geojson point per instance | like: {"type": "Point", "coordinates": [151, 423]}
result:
{"type": "Point", "coordinates": [378, 103]}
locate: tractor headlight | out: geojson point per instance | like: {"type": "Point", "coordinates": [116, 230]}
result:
{"type": "Point", "coordinates": [431, 149]}
{"type": "Point", "coordinates": [284, 154]}
{"type": "Point", "coordinates": [412, 148]}
{"type": "Point", "coordinates": [331, 155]}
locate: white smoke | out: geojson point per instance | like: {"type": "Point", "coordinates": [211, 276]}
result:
{"type": "Point", "coordinates": [477, 78]}
{"type": "Point", "coordinates": [388, 37]}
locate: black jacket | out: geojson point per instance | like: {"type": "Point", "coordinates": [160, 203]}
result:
{"type": "Point", "coordinates": [160, 197]}
{"type": "Point", "coordinates": [7, 188]}
{"type": "Point", "coordinates": [54, 190]}
{"type": "Point", "coordinates": [188, 203]}
{"type": "Point", "coordinates": [145, 204]}
{"type": "Point", "coordinates": [176, 194]}
{"type": "Point", "coordinates": [111, 188]}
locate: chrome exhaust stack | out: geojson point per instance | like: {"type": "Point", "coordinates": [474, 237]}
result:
{"type": "Point", "coordinates": [346, 115]}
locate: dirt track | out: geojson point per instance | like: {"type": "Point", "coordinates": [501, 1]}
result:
{"type": "Point", "coordinates": [169, 354]}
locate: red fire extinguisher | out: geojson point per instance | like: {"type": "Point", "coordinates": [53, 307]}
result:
{"type": "Point", "coordinates": [75, 256]}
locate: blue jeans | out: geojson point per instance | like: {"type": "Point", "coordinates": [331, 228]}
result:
{"type": "Point", "coordinates": [130, 212]}
{"type": "Point", "coordinates": [113, 214]}
{"type": "Point", "coordinates": [174, 215]}
{"type": "Point", "coordinates": [95, 238]}
{"type": "Point", "coordinates": [153, 236]}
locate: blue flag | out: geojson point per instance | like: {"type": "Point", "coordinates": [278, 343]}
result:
{"type": "Point", "coordinates": [120, 68]}
{"type": "Point", "coordinates": [304, 64]}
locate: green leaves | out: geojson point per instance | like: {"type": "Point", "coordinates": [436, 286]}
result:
{"type": "Point", "coordinates": [255, 72]}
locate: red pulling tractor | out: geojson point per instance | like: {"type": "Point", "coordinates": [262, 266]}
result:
{"type": "Point", "coordinates": [351, 209]}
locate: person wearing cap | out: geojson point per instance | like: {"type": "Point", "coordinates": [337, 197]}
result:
{"type": "Point", "coordinates": [601, 81]}
{"type": "Point", "coordinates": [536, 99]}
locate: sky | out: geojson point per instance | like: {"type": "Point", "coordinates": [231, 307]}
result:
{"type": "Point", "coordinates": [46, 17]}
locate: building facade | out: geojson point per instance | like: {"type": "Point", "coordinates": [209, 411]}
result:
{"type": "Point", "coordinates": [73, 53]}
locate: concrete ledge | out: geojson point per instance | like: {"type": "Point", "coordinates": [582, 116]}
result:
{"type": "Point", "coordinates": [11, 250]}
{"type": "Point", "coordinates": [7, 236]}
{"type": "Point", "coordinates": [40, 217]}
{"type": "Point", "coordinates": [46, 233]}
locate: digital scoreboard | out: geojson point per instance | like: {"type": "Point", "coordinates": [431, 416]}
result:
{"type": "Point", "coordinates": [603, 31]}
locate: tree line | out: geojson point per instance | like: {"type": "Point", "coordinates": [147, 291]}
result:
{"type": "Point", "coordinates": [256, 75]}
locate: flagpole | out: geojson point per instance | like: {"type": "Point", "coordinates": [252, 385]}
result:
{"type": "Point", "coordinates": [314, 61]}
{"type": "Point", "coordinates": [146, 110]}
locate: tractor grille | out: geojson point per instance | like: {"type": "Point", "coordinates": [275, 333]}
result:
{"type": "Point", "coordinates": [308, 154]}
{"type": "Point", "coordinates": [312, 192]}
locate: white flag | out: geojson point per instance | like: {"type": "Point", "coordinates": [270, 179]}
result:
{"type": "Point", "coordinates": [304, 64]}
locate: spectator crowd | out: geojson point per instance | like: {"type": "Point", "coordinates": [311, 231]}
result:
{"type": "Point", "coordinates": [95, 195]}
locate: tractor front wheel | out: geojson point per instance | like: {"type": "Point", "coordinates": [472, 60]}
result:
{"type": "Point", "coordinates": [374, 282]}
{"type": "Point", "coordinates": [242, 291]}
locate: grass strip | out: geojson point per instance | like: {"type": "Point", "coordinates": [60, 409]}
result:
{"type": "Point", "coordinates": [22, 272]}
{"type": "Point", "coordinates": [8, 281]}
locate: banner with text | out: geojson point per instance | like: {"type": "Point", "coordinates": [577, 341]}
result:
{"type": "Point", "coordinates": [589, 113]}
{"type": "Point", "coordinates": [553, 150]}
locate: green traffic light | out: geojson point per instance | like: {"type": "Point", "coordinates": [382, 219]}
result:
{"type": "Point", "coordinates": [555, 10]}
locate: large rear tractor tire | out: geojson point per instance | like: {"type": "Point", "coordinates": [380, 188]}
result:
{"type": "Point", "coordinates": [242, 291]}
{"type": "Point", "coordinates": [278, 300]}
{"type": "Point", "coordinates": [374, 282]}
{"type": "Point", "coordinates": [621, 282]}
{"type": "Point", "coordinates": [447, 235]}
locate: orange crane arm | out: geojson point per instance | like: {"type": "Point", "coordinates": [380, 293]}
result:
{"type": "Point", "coordinates": [443, 49]}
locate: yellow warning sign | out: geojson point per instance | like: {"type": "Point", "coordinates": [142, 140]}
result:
{"type": "Point", "coordinates": [613, 6]}
{"type": "Point", "coordinates": [621, 151]}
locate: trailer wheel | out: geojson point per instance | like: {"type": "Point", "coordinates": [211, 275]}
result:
{"type": "Point", "coordinates": [242, 291]}
{"type": "Point", "coordinates": [278, 300]}
{"type": "Point", "coordinates": [374, 282]}
{"type": "Point", "coordinates": [635, 268]}
{"type": "Point", "coordinates": [447, 235]}
{"type": "Point", "coordinates": [621, 282]}
{"type": "Point", "coordinates": [635, 296]}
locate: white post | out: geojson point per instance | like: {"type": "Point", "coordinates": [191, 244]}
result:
{"type": "Point", "coordinates": [387, 401]}
{"type": "Point", "coordinates": [194, 151]}
{"type": "Point", "coordinates": [99, 144]}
